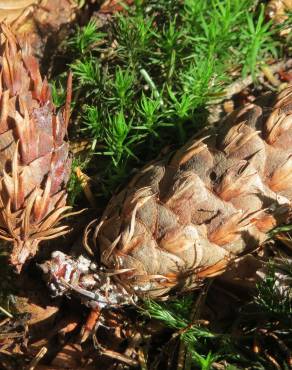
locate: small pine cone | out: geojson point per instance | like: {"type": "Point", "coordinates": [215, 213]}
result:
{"type": "Point", "coordinates": [34, 159]}
{"type": "Point", "coordinates": [186, 217]}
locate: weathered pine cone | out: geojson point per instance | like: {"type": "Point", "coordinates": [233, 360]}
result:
{"type": "Point", "coordinates": [188, 216]}
{"type": "Point", "coordinates": [34, 159]}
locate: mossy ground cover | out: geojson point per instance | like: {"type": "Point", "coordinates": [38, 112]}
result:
{"type": "Point", "coordinates": [144, 81]}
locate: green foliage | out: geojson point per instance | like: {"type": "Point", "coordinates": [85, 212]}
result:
{"type": "Point", "coordinates": [158, 65]}
{"type": "Point", "coordinates": [92, 122]}
{"type": "Point", "coordinates": [80, 3]}
{"type": "Point", "coordinates": [134, 35]}
{"type": "Point", "coordinates": [58, 94]}
{"type": "Point", "coordinates": [123, 84]}
{"type": "Point", "coordinates": [281, 229]}
{"type": "Point", "coordinates": [269, 312]}
{"type": "Point", "coordinates": [74, 186]}
{"type": "Point", "coordinates": [117, 138]}
{"type": "Point", "coordinates": [204, 362]}
{"type": "Point", "coordinates": [275, 291]}
{"type": "Point", "coordinates": [175, 315]}
{"type": "Point", "coordinates": [259, 42]}
{"type": "Point", "coordinates": [86, 38]}
{"type": "Point", "coordinates": [87, 72]}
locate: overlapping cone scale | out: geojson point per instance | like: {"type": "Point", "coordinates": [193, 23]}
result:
{"type": "Point", "coordinates": [186, 217]}
{"type": "Point", "coordinates": [40, 19]}
{"type": "Point", "coordinates": [11, 10]}
{"type": "Point", "coordinates": [34, 159]}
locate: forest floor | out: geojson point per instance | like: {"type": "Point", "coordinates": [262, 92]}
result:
{"type": "Point", "coordinates": [146, 77]}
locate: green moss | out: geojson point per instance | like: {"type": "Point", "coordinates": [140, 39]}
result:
{"type": "Point", "coordinates": [155, 67]}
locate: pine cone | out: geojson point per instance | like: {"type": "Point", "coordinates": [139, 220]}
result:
{"type": "Point", "coordinates": [184, 218]}
{"type": "Point", "coordinates": [34, 159]}
{"type": "Point", "coordinates": [37, 18]}
{"type": "Point", "coordinates": [188, 216]}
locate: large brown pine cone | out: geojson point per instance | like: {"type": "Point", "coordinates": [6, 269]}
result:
{"type": "Point", "coordinates": [187, 216]}
{"type": "Point", "coordinates": [34, 160]}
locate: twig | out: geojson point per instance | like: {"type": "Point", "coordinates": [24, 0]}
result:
{"type": "Point", "coordinates": [142, 359]}
{"type": "Point", "coordinates": [10, 335]}
{"type": "Point", "coordinates": [237, 86]}
{"type": "Point", "coordinates": [215, 110]}
{"type": "Point", "coordinates": [134, 342]}
{"type": "Point", "coordinates": [184, 361]}
{"type": "Point", "coordinates": [37, 358]}
{"type": "Point", "coordinates": [6, 312]}
{"type": "Point", "coordinates": [198, 304]}
{"type": "Point", "coordinates": [286, 351]}
{"type": "Point", "coordinates": [4, 321]}
{"type": "Point", "coordinates": [181, 358]}
{"type": "Point", "coordinates": [118, 356]}
{"type": "Point", "coordinates": [218, 366]}
{"type": "Point", "coordinates": [270, 76]}
{"type": "Point", "coordinates": [272, 360]}
{"type": "Point", "coordinates": [68, 99]}
{"type": "Point", "coordinates": [90, 324]}
{"type": "Point", "coordinates": [286, 240]}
